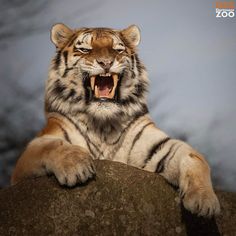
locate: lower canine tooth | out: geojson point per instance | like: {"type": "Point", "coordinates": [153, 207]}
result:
{"type": "Point", "coordinates": [92, 82]}
{"type": "Point", "coordinates": [96, 91]}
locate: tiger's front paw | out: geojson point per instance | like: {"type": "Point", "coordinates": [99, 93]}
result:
{"type": "Point", "coordinates": [72, 166]}
{"type": "Point", "coordinates": [200, 200]}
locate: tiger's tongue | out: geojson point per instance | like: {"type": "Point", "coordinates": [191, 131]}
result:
{"type": "Point", "coordinates": [104, 87]}
{"type": "Point", "coordinates": [104, 90]}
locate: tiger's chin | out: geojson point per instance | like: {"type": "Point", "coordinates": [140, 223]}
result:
{"type": "Point", "coordinates": [104, 110]}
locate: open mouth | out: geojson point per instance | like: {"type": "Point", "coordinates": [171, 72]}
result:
{"type": "Point", "coordinates": [104, 85]}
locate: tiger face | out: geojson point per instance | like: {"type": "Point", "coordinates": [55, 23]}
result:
{"type": "Point", "coordinates": [96, 71]}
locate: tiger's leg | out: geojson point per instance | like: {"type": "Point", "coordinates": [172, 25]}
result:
{"type": "Point", "coordinates": [181, 165]}
{"type": "Point", "coordinates": [51, 154]}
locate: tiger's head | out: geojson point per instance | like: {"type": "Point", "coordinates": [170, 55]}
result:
{"type": "Point", "coordinates": [96, 72]}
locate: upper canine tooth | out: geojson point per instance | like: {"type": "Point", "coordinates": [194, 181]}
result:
{"type": "Point", "coordinates": [115, 79]}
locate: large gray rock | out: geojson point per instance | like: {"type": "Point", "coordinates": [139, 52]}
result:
{"type": "Point", "coordinates": [121, 200]}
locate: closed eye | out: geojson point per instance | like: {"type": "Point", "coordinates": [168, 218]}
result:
{"type": "Point", "coordinates": [119, 50]}
{"type": "Point", "coordinates": [84, 50]}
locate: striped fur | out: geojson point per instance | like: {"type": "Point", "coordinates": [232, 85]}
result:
{"type": "Point", "coordinates": [81, 127]}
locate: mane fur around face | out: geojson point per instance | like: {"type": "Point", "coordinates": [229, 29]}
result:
{"type": "Point", "coordinates": [68, 88]}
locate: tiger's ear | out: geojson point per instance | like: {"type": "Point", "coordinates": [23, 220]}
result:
{"type": "Point", "coordinates": [60, 35]}
{"type": "Point", "coordinates": [132, 35]}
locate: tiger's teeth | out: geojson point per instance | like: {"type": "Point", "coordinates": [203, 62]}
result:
{"type": "Point", "coordinates": [105, 75]}
{"type": "Point", "coordinates": [96, 91]}
{"type": "Point", "coordinates": [92, 82]}
{"type": "Point", "coordinates": [115, 82]}
{"type": "Point", "coordinates": [115, 79]}
{"type": "Point", "coordinates": [112, 90]}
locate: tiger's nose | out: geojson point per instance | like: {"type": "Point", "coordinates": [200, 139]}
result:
{"type": "Point", "coordinates": [105, 64]}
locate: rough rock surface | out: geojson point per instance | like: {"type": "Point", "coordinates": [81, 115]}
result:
{"type": "Point", "coordinates": [121, 200]}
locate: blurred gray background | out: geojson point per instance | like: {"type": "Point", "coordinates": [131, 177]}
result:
{"type": "Point", "coordinates": [189, 53]}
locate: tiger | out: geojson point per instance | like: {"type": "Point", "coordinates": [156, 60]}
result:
{"type": "Point", "coordinates": [96, 109]}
